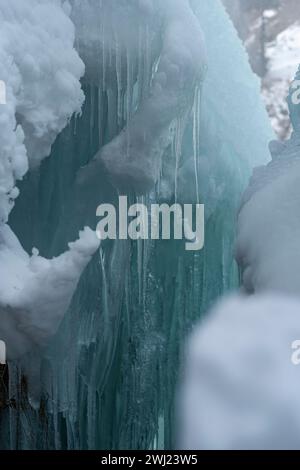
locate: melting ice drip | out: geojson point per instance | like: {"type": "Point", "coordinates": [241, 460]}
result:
{"type": "Point", "coordinates": [2, 353]}
{"type": "Point", "coordinates": [2, 92]}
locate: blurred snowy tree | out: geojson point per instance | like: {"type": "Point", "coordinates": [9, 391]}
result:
{"type": "Point", "coordinates": [271, 34]}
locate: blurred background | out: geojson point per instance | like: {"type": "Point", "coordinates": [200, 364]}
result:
{"type": "Point", "coordinates": [270, 30]}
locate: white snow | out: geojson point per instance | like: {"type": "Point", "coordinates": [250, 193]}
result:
{"type": "Point", "coordinates": [41, 71]}
{"type": "Point", "coordinates": [240, 387]}
{"type": "Point", "coordinates": [270, 14]}
{"type": "Point", "coordinates": [283, 60]}
{"type": "Point", "coordinates": [283, 53]}
{"type": "Point", "coordinates": [35, 292]}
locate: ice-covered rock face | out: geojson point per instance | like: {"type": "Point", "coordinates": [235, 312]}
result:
{"type": "Point", "coordinates": [152, 53]}
{"type": "Point", "coordinates": [267, 246]}
{"type": "Point", "coordinates": [241, 388]}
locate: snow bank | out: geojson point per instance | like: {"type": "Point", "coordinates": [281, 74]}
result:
{"type": "Point", "coordinates": [241, 389]}
{"type": "Point", "coordinates": [41, 70]}
{"type": "Point", "coordinates": [35, 292]}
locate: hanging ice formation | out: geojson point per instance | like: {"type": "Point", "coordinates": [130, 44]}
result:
{"type": "Point", "coordinates": [162, 120]}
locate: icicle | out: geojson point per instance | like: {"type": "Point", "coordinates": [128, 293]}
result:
{"type": "Point", "coordinates": [147, 62]}
{"type": "Point", "coordinates": [100, 116]}
{"type": "Point", "coordinates": [104, 288]}
{"type": "Point", "coordinates": [146, 254]}
{"type": "Point", "coordinates": [119, 79]}
{"type": "Point", "coordinates": [104, 48]}
{"type": "Point", "coordinates": [129, 80]}
{"type": "Point", "coordinates": [177, 145]}
{"type": "Point", "coordinates": [128, 98]}
{"type": "Point", "coordinates": [196, 136]}
{"type": "Point", "coordinates": [141, 74]}
{"type": "Point", "coordinates": [140, 253]}
{"type": "Point", "coordinates": [75, 124]}
{"type": "Point", "coordinates": [92, 113]}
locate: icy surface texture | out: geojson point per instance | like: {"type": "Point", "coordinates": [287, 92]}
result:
{"type": "Point", "coordinates": [241, 387]}
{"type": "Point", "coordinates": [108, 378]}
{"type": "Point", "coordinates": [268, 230]}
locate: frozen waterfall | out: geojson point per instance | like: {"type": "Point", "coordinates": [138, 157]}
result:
{"type": "Point", "coordinates": [127, 97]}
